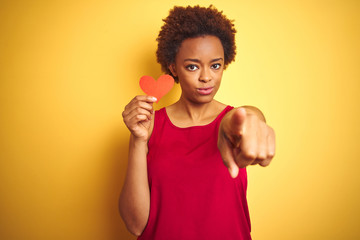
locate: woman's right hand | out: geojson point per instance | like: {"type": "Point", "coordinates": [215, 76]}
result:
{"type": "Point", "coordinates": [137, 116]}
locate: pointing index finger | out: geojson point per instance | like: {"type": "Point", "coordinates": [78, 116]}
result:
{"type": "Point", "coordinates": [236, 126]}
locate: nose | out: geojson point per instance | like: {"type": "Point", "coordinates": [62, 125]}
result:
{"type": "Point", "coordinates": [205, 75]}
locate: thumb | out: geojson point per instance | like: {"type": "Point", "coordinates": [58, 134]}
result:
{"type": "Point", "coordinates": [238, 118]}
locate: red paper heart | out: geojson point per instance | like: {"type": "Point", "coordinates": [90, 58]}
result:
{"type": "Point", "coordinates": [157, 88]}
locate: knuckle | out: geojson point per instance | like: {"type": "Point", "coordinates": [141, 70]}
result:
{"type": "Point", "coordinates": [262, 156]}
{"type": "Point", "coordinates": [140, 104]}
{"type": "Point", "coordinates": [125, 120]}
{"type": "Point", "coordinates": [138, 110]}
{"type": "Point", "coordinates": [271, 155]}
{"type": "Point", "coordinates": [140, 117]}
{"type": "Point", "coordinates": [249, 155]}
{"type": "Point", "coordinates": [243, 161]}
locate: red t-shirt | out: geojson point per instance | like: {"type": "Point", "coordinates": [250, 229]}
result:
{"type": "Point", "coordinates": [192, 195]}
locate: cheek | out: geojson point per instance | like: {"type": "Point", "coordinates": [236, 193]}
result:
{"type": "Point", "coordinates": [189, 77]}
{"type": "Point", "coordinates": [219, 77]}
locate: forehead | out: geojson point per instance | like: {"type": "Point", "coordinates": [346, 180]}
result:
{"type": "Point", "coordinates": [201, 47]}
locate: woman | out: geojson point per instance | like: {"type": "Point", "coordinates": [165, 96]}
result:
{"type": "Point", "coordinates": [186, 176]}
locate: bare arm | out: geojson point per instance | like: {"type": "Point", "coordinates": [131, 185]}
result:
{"type": "Point", "coordinates": [134, 203]}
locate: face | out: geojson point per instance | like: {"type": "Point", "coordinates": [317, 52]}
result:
{"type": "Point", "coordinates": [199, 65]}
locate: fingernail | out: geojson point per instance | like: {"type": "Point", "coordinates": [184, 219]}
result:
{"type": "Point", "coordinates": [154, 99]}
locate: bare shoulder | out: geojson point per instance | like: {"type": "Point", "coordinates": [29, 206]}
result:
{"type": "Point", "coordinates": [218, 107]}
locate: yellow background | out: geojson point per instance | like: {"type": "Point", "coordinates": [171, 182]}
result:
{"type": "Point", "coordinates": [68, 68]}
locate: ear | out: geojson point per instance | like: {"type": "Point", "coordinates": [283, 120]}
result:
{"type": "Point", "coordinates": [172, 69]}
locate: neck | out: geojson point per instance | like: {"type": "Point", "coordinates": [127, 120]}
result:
{"type": "Point", "coordinates": [194, 111]}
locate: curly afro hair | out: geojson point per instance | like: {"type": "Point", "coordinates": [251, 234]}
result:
{"type": "Point", "coordinates": [191, 22]}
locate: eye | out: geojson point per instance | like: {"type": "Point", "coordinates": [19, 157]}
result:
{"type": "Point", "coordinates": [216, 66]}
{"type": "Point", "coordinates": [191, 67]}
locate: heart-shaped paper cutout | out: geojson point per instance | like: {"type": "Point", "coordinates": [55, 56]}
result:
{"type": "Point", "coordinates": [157, 88]}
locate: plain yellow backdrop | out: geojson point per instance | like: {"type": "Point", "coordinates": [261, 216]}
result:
{"type": "Point", "coordinates": [68, 68]}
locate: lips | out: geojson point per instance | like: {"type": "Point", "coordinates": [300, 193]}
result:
{"type": "Point", "coordinates": [205, 91]}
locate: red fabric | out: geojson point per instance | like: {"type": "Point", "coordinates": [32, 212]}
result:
{"type": "Point", "coordinates": [193, 196]}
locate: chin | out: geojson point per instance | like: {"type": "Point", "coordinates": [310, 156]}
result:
{"type": "Point", "coordinates": [204, 99]}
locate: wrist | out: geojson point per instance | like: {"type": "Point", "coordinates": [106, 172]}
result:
{"type": "Point", "coordinates": [138, 141]}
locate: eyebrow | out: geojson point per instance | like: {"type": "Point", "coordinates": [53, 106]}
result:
{"type": "Point", "coordinates": [197, 60]}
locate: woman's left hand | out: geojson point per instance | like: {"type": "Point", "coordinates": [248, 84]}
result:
{"type": "Point", "coordinates": [244, 139]}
